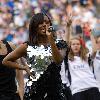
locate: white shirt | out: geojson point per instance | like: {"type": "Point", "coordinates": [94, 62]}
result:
{"type": "Point", "coordinates": [64, 75]}
{"type": "Point", "coordinates": [82, 78]}
{"type": "Point", "coordinates": [97, 67]}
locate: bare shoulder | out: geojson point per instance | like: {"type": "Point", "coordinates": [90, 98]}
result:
{"type": "Point", "coordinates": [18, 52]}
{"type": "Point", "coordinates": [22, 48]}
{"type": "Point", "coordinates": [13, 46]}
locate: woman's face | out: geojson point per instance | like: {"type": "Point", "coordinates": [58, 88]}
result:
{"type": "Point", "coordinates": [75, 46]}
{"type": "Point", "coordinates": [44, 26]}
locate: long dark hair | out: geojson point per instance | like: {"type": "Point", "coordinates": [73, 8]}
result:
{"type": "Point", "coordinates": [34, 22]}
{"type": "Point", "coordinates": [33, 27]}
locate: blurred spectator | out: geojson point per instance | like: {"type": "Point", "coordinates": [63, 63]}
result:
{"type": "Point", "coordinates": [16, 14]}
{"type": "Point", "coordinates": [8, 34]}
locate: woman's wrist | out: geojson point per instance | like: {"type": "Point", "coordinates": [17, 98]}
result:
{"type": "Point", "coordinates": [50, 36]}
{"type": "Point", "coordinates": [22, 67]}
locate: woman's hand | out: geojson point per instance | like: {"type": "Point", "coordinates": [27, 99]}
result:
{"type": "Point", "coordinates": [49, 30]}
{"type": "Point", "coordinates": [69, 21]}
{"type": "Point", "coordinates": [68, 33]}
{"type": "Point", "coordinates": [27, 69]}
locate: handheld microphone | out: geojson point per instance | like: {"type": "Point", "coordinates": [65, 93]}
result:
{"type": "Point", "coordinates": [51, 29]}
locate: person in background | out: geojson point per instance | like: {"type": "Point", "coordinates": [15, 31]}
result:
{"type": "Point", "coordinates": [9, 76]}
{"type": "Point", "coordinates": [83, 83]}
{"type": "Point", "coordinates": [96, 55]}
{"type": "Point", "coordinates": [64, 49]}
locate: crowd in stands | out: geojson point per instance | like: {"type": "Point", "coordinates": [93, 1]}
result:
{"type": "Point", "coordinates": [15, 16]}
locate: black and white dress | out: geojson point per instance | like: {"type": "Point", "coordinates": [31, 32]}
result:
{"type": "Point", "coordinates": [49, 84]}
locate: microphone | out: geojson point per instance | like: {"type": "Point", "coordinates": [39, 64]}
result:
{"type": "Point", "coordinates": [51, 29]}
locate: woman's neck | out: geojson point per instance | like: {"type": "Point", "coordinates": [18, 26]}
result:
{"type": "Point", "coordinates": [76, 54]}
{"type": "Point", "coordinates": [42, 41]}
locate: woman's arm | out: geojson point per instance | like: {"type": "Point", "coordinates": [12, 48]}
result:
{"type": "Point", "coordinates": [20, 77]}
{"type": "Point", "coordinates": [57, 58]}
{"type": "Point", "coordinates": [68, 32]}
{"type": "Point", "coordinates": [94, 45]}
{"type": "Point", "coordinates": [55, 52]}
{"type": "Point", "coordinates": [20, 80]}
{"type": "Point", "coordinates": [10, 59]}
